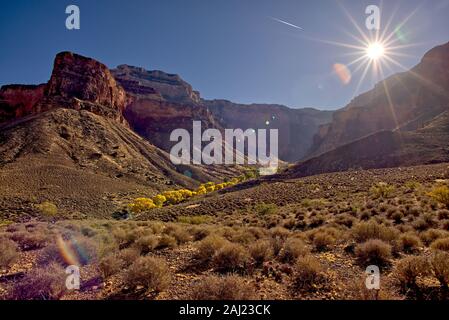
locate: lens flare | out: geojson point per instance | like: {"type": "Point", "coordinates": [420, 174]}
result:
{"type": "Point", "coordinates": [343, 73]}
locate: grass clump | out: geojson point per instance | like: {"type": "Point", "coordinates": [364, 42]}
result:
{"type": "Point", "coordinates": [224, 288]}
{"type": "Point", "coordinates": [365, 231]}
{"type": "Point", "coordinates": [207, 248]}
{"type": "Point", "coordinates": [231, 258]}
{"type": "Point", "coordinates": [150, 272]}
{"type": "Point", "coordinates": [308, 274]}
{"type": "Point", "coordinates": [441, 244]}
{"type": "Point", "coordinates": [261, 251]}
{"type": "Point", "coordinates": [9, 252]}
{"type": "Point", "coordinates": [409, 269]}
{"type": "Point", "coordinates": [373, 252]}
{"type": "Point", "coordinates": [292, 250]}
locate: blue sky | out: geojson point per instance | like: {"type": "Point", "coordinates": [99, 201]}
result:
{"type": "Point", "coordinates": [229, 49]}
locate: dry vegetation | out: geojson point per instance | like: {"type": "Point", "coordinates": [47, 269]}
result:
{"type": "Point", "coordinates": [313, 240]}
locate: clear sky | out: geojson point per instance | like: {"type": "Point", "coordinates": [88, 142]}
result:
{"type": "Point", "coordinates": [229, 49]}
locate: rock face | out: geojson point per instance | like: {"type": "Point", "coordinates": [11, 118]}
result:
{"type": "Point", "coordinates": [404, 101]}
{"type": "Point", "coordinates": [168, 86]}
{"type": "Point", "coordinates": [161, 103]}
{"type": "Point", "coordinates": [19, 100]}
{"type": "Point", "coordinates": [76, 82]}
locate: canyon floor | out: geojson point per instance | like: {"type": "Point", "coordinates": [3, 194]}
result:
{"type": "Point", "coordinates": [307, 238]}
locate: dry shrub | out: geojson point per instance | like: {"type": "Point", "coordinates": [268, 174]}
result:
{"type": "Point", "coordinates": [179, 233]}
{"type": "Point", "coordinates": [409, 243]}
{"type": "Point", "coordinates": [261, 251]}
{"type": "Point", "coordinates": [373, 252]}
{"type": "Point", "coordinates": [308, 274]}
{"type": "Point", "coordinates": [8, 252]}
{"type": "Point", "coordinates": [150, 272]}
{"type": "Point", "coordinates": [47, 283]}
{"type": "Point", "coordinates": [166, 241]}
{"type": "Point", "coordinates": [440, 267]}
{"type": "Point", "coordinates": [85, 251]}
{"type": "Point", "coordinates": [372, 230]}
{"type": "Point", "coordinates": [110, 265]}
{"type": "Point", "coordinates": [30, 241]}
{"type": "Point", "coordinates": [293, 249]}
{"type": "Point", "coordinates": [146, 244]}
{"type": "Point", "coordinates": [129, 255]}
{"type": "Point", "coordinates": [409, 269]}
{"type": "Point", "coordinates": [231, 258]}
{"type": "Point", "coordinates": [429, 236]}
{"type": "Point", "coordinates": [207, 248]}
{"type": "Point", "coordinates": [223, 288]}
{"type": "Point", "coordinates": [441, 244]}
{"type": "Point", "coordinates": [199, 233]}
{"type": "Point", "coordinates": [279, 232]}
{"type": "Point", "coordinates": [322, 240]}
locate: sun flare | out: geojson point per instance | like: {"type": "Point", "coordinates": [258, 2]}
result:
{"type": "Point", "coordinates": [375, 51]}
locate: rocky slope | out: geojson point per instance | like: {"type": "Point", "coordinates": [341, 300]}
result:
{"type": "Point", "coordinates": [406, 101]}
{"type": "Point", "coordinates": [384, 149]}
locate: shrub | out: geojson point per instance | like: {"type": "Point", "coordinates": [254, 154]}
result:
{"type": "Point", "coordinates": [231, 258]}
{"type": "Point", "coordinates": [110, 265]}
{"type": "Point", "coordinates": [441, 194]}
{"type": "Point", "coordinates": [47, 283]}
{"type": "Point", "coordinates": [179, 233]}
{"type": "Point", "coordinates": [409, 242]}
{"type": "Point", "coordinates": [266, 209]}
{"type": "Point", "coordinates": [293, 249]}
{"type": "Point", "coordinates": [372, 230]}
{"type": "Point", "coordinates": [47, 209]}
{"type": "Point", "coordinates": [159, 200]}
{"type": "Point", "coordinates": [147, 244]}
{"type": "Point", "coordinates": [382, 190]}
{"type": "Point", "coordinates": [207, 248]}
{"type": "Point", "coordinates": [8, 252]}
{"type": "Point", "coordinates": [409, 269]}
{"type": "Point", "coordinates": [429, 236]}
{"type": "Point", "coordinates": [129, 255]}
{"type": "Point", "coordinates": [199, 233]}
{"type": "Point", "coordinates": [322, 240]}
{"type": "Point", "coordinates": [223, 288]}
{"type": "Point", "coordinates": [166, 241]}
{"type": "Point", "coordinates": [441, 244]}
{"type": "Point", "coordinates": [30, 241]}
{"type": "Point", "coordinates": [307, 274]}
{"type": "Point", "coordinates": [141, 204]}
{"type": "Point", "coordinates": [261, 251]}
{"type": "Point", "coordinates": [84, 252]}
{"type": "Point", "coordinates": [440, 267]}
{"type": "Point", "coordinates": [150, 272]}
{"type": "Point", "coordinates": [373, 251]}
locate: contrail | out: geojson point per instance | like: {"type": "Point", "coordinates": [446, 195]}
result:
{"type": "Point", "coordinates": [287, 23]}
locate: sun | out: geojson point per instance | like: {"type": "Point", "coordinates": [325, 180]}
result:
{"type": "Point", "coordinates": [375, 51]}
